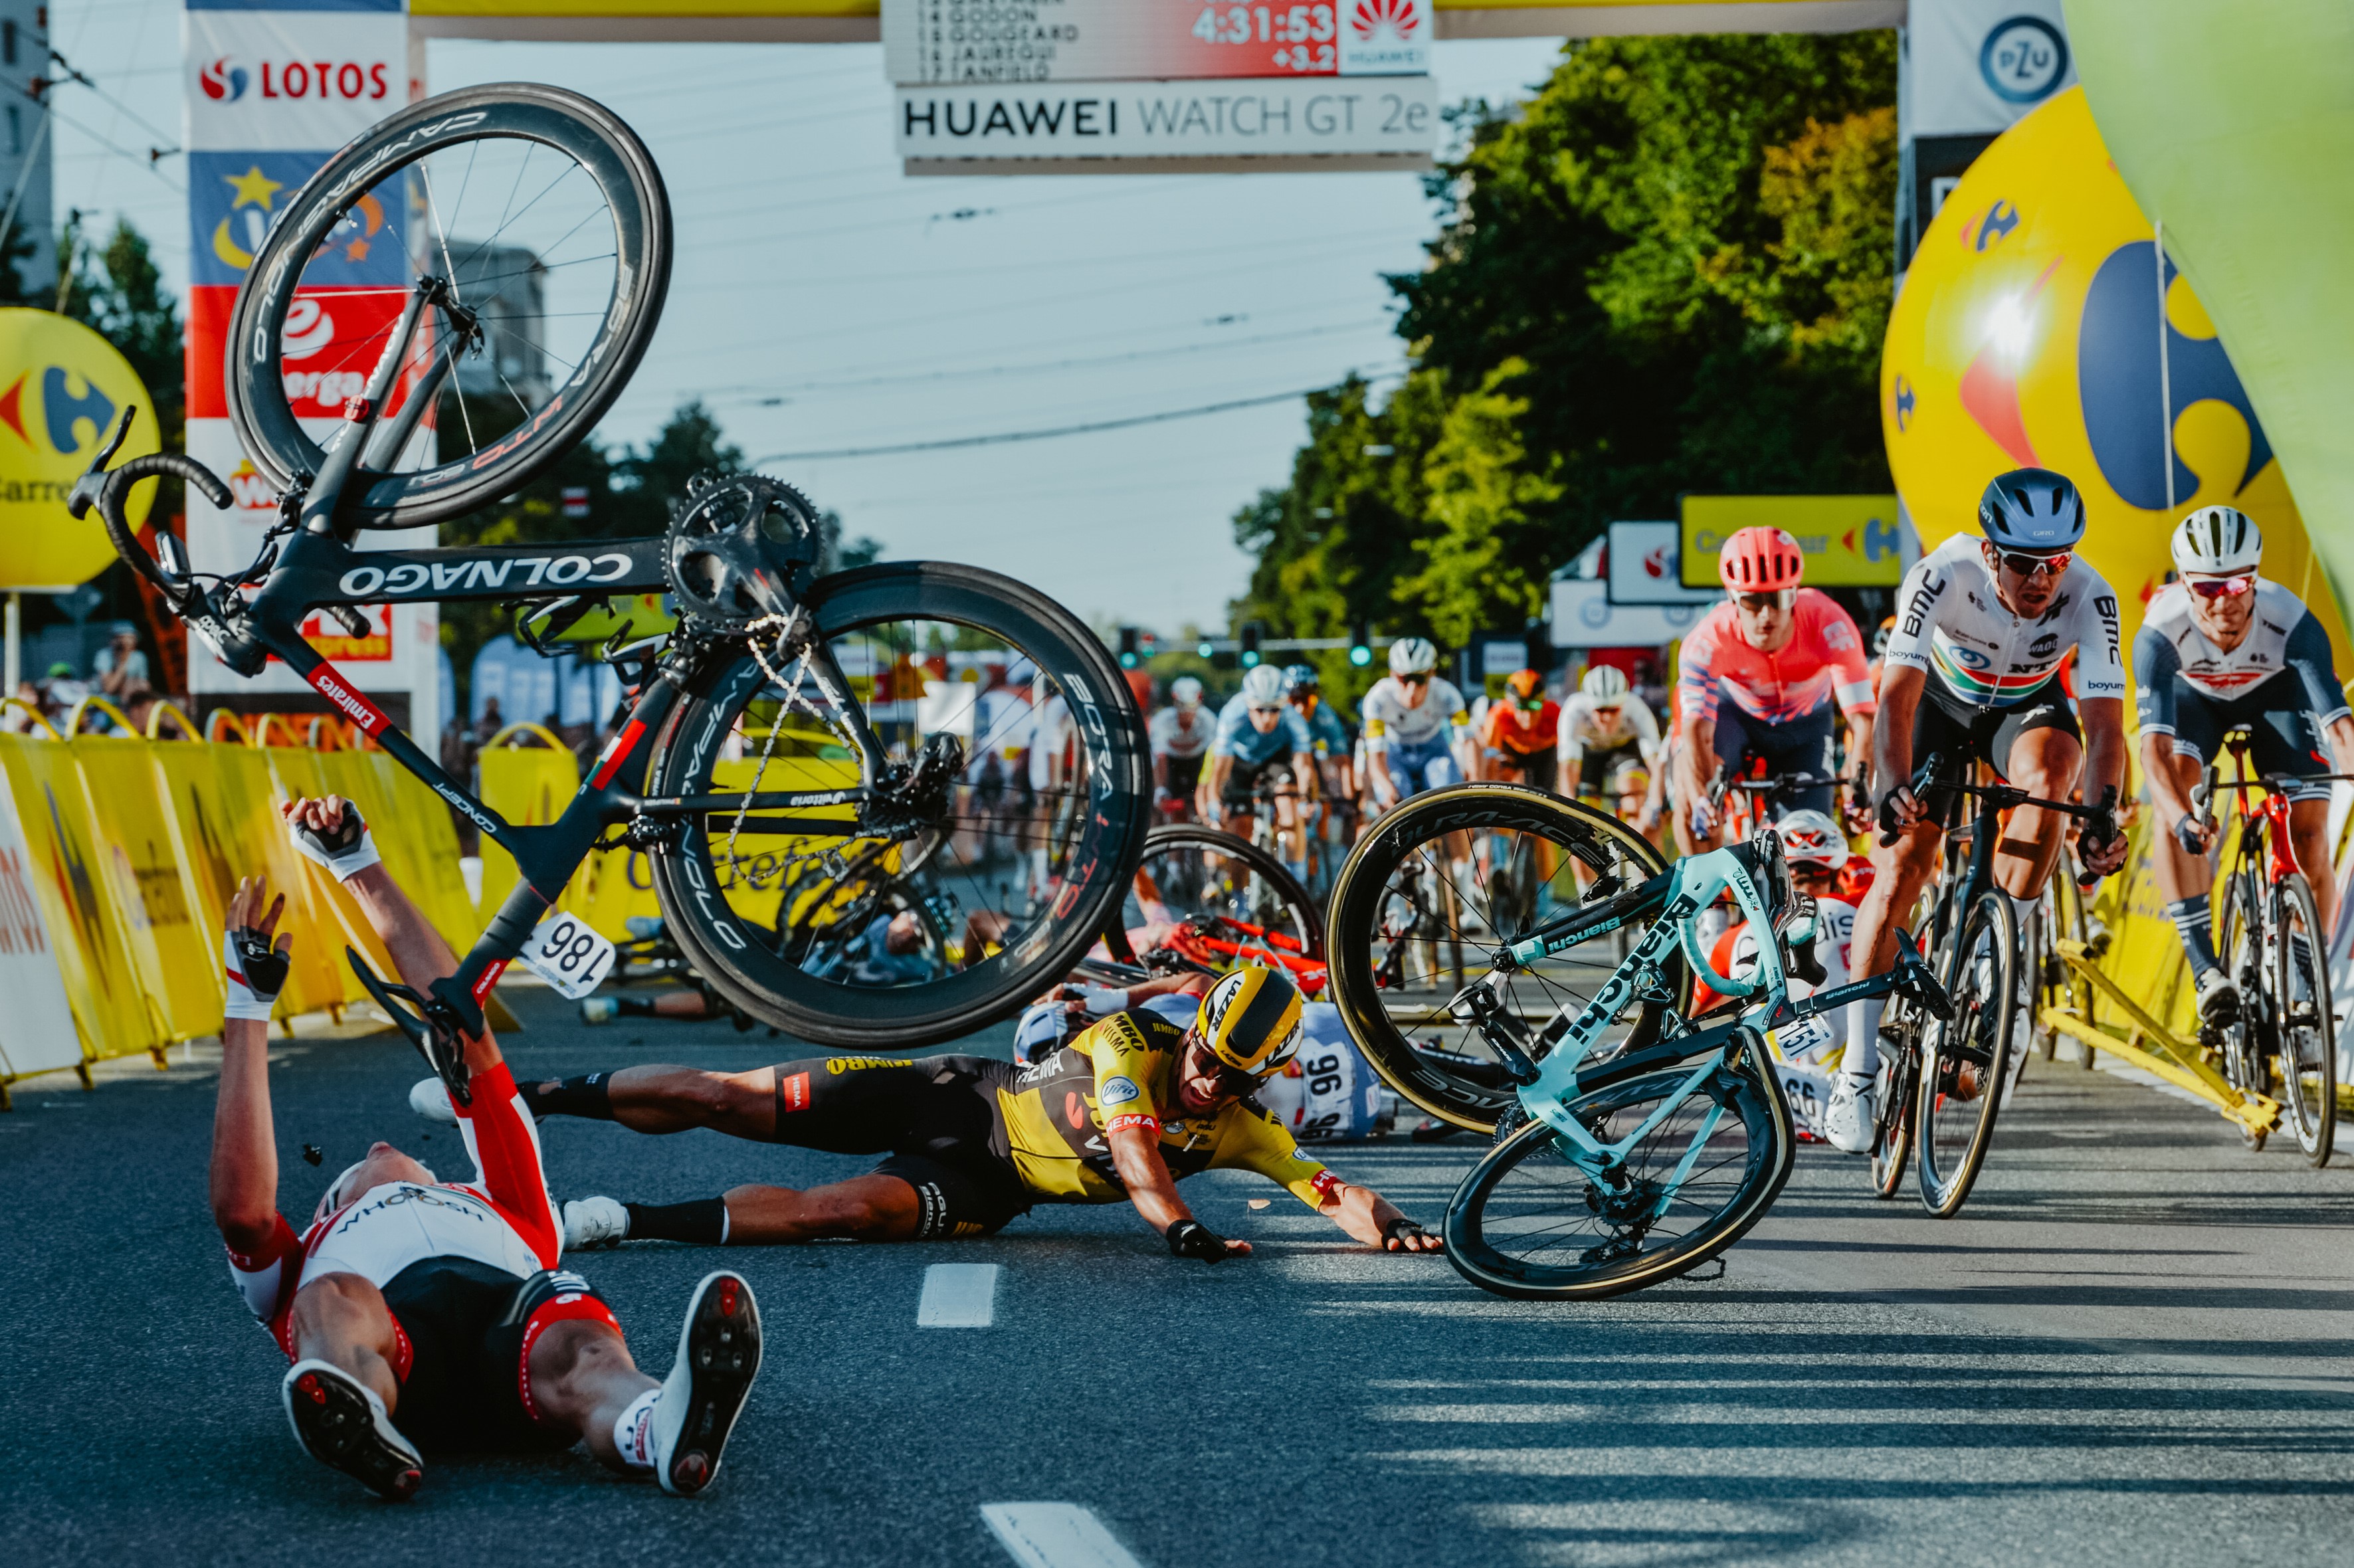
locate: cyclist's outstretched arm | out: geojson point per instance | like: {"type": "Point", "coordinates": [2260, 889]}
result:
{"type": "Point", "coordinates": [418, 951]}
{"type": "Point", "coordinates": [243, 1178]}
{"type": "Point", "coordinates": [1901, 686]}
{"type": "Point", "coordinates": [1136, 1155]}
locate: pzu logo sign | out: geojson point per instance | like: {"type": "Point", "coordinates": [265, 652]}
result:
{"type": "Point", "coordinates": [2024, 60]}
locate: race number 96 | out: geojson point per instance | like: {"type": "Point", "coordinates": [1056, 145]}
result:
{"type": "Point", "coordinates": [569, 956]}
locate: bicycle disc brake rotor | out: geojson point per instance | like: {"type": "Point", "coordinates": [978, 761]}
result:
{"type": "Point", "coordinates": [729, 553]}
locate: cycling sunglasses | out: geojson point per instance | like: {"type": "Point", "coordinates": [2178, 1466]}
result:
{"type": "Point", "coordinates": [1421, 680]}
{"type": "Point", "coordinates": [1530, 705]}
{"type": "Point", "coordinates": [1758, 603]}
{"type": "Point", "coordinates": [1232, 1081]}
{"type": "Point", "coordinates": [2219, 587]}
{"type": "Point", "coordinates": [1271, 708]}
{"type": "Point", "coordinates": [2027, 565]}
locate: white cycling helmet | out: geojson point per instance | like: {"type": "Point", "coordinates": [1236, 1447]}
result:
{"type": "Point", "coordinates": [1811, 838]}
{"type": "Point", "coordinates": [1604, 684]}
{"type": "Point", "coordinates": [1185, 692]}
{"type": "Point", "coordinates": [2217, 541]}
{"type": "Point", "coordinates": [1263, 687]}
{"type": "Point", "coordinates": [1413, 656]}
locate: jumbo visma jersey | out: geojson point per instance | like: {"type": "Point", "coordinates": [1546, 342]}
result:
{"type": "Point", "coordinates": [1122, 1072]}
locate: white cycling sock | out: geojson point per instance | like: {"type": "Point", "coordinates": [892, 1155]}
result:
{"type": "Point", "coordinates": [1862, 1057]}
{"type": "Point", "coordinates": [633, 1431]}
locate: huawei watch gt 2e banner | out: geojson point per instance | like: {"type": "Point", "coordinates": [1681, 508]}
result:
{"type": "Point", "coordinates": [271, 88]}
{"type": "Point", "coordinates": [1160, 83]}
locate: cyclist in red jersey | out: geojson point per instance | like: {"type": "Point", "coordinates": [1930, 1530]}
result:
{"type": "Point", "coordinates": [420, 1313]}
{"type": "Point", "coordinates": [1789, 661]}
{"type": "Point", "coordinates": [1516, 737]}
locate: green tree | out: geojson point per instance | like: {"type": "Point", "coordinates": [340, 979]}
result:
{"type": "Point", "coordinates": [1669, 271]}
{"type": "Point", "coordinates": [116, 289]}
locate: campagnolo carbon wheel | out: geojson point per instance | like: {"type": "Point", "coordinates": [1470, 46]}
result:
{"type": "Point", "coordinates": [864, 943]}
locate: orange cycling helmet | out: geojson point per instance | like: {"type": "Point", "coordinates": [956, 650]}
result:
{"type": "Point", "coordinates": [1760, 560]}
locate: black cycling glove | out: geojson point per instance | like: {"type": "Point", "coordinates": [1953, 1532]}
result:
{"type": "Point", "coordinates": [1889, 826]}
{"type": "Point", "coordinates": [347, 851]}
{"type": "Point", "coordinates": [2185, 833]}
{"type": "Point", "coordinates": [256, 972]}
{"type": "Point", "coordinates": [1400, 1229]}
{"type": "Point", "coordinates": [1191, 1238]}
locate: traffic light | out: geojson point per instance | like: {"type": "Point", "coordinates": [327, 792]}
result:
{"type": "Point", "coordinates": [1251, 630]}
{"type": "Point", "coordinates": [1361, 643]}
{"type": "Point", "coordinates": [1130, 646]}
{"type": "Point", "coordinates": [1206, 648]}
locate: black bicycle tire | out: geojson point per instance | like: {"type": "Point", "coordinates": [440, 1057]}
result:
{"type": "Point", "coordinates": [2316, 1141]}
{"type": "Point", "coordinates": [1263, 863]}
{"type": "Point", "coordinates": [1362, 881]}
{"type": "Point", "coordinates": [1887, 1162]}
{"type": "Point", "coordinates": [1761, 1184]}
{"type": "Point", "coordinates": [267, 427]}
{"type": "Point", "coordinates": [1119, 812]}
{"type": "Point", "coordinates": [1941, 1196]}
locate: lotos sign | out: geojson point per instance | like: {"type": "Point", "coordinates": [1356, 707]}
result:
{"type": "Point", "coordinates": [62, 387]}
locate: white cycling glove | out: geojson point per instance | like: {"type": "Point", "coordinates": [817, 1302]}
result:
{"type": "Point", "coordinates": [256, 973]}
{"type": "Point", "coordinates": [346, 852]}
{"type": "Point", "coordinates": [1103, 1001]}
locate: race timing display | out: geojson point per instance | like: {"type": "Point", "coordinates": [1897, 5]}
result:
{"type": "Point", "coordinates": [943, 42]}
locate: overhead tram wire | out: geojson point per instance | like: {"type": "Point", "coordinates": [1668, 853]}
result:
{"type": "Point", "coordinates": [1091, 427]}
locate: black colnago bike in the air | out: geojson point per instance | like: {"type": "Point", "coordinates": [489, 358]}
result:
{"type": "Point", "coordinates": [820, 769]}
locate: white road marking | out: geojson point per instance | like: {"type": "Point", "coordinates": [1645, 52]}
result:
{"type": "Point", "coordinates": [957, 1296]}
{"type": "Point", "coordinates": [1054, 1535]}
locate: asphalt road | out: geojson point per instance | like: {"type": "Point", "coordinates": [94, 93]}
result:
{"type": "Point", "coordinates": [2133, 1348]}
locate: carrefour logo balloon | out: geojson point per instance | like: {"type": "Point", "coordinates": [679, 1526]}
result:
{"type": "Point", "coordinates": [62, 387]}
{"type": "Point", "coordinates": [2029, 334]}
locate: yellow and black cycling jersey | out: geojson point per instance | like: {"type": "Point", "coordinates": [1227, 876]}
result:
{"type": "Point", "coordinates": [1122, 1072]}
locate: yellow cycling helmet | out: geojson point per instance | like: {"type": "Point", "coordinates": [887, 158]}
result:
{"type": "Point", "coordinates": [1250, 1020]}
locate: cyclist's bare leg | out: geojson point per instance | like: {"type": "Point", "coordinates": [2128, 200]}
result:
{"type": "Point", "coordinates": [341, 1319]}
{"type": "Point", "coordinates": [1899, 872]}
{"type": "Point", "coordinates": [865, 1208]}
{"type": "Point", "coordinates": [664, 1099]}
{"type": "Point", "coordinates": [583, 1379]}
{"type": "Point", "coordinates": [2180, 873]}
{"type": "Point", "coordinates": [2045, 763]}
{"type": "Point", "coordinates": [2308, 829]}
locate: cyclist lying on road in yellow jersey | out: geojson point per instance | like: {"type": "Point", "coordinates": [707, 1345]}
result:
{"type": "Point", "coordinates": [1126, 1111]}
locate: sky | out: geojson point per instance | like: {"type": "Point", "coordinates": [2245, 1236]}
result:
{"type": "Point", "coordinates": [822, 300]}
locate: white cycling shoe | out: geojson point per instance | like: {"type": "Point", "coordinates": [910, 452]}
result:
{"type": "Point", "coordinates": [430, 1099]}
{"type": "Point", "coordinates": [1848, 1120]}
{"type": "Point", "coordinates": [342, 1424]}
{"type": "Point", "coordinates": [591, 1222]}
{"type": "Point", "coordinates": [718, 1357]}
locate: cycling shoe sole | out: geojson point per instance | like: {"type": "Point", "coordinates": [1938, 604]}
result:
{"type": "Point", "coordinates": [718, 1357]}
{"type": "Point", "coordinates": [343, 1429]}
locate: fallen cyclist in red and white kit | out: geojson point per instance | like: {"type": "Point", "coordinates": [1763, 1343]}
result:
{"type": "Point", "coordinates": [427, 1314]}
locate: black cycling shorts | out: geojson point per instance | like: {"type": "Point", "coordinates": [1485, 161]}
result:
{"type": "Point", "coordinates": [1244, 780]}
{"type": "Point", "coordinates": [2283, 741]}
{"type": "Point", "coordinates": [938, 1120]}
{"type": "Point", "coordinates": [1595, 768]}
{"type": "Point", "coordinates": [1956, 732]}
{"type": "Point", "coordinates": [1186, 775]}
{"type": "Point", "coordinates": [1539, 769]}
{"type": "Point", "coordinates": [470, 1328]}
{"type": "Point", "coordinates": [1792, 747]}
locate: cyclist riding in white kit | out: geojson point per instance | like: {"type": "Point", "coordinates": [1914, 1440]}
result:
{"type": "Point", "coordinates": [1417, 726]}
{"type": "Point", "coordinates": [2220, 650]}
{"type": "Point", "coordinates": [1973, 674]}
{"type": "Point", "coordinates": [1181, 735]}
{"type": "Point", "coordinates": [1602, 725]}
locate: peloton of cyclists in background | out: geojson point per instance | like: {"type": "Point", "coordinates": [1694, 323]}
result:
{"type": "Point", "coordinates": [1417, 726]}
{"type": "Point", "coordinates": [1973, 674]}
{"type": "Point", "coordinates": [1181, 735]}
{"type": "Point", "coordinates": [1515, 737]}
{"type": "Point", "coordinates": [1261, 741]}
{"type": "Point", "coordinates": [1603, 726]}
{"type": "Point", "coordinates": [1336, 767]}
{"type": "Point", "coordinates": [2220, 650]}
{"type": "Point", "coordinates": [1790, 660]}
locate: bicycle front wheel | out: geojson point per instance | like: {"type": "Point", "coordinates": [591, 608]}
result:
{"type": "Point", "coordinates": [2301, 1004]}
{"type": "Point", "coordinates": [545, 217]}
{"type": "Point", "coordinates": [866, 942]}
{"type": "Point", "coordinates": [1528, 1222]}
{"type": "Point", "coordinates": [1966, 1060]}
{"type": "Point", "coordinates": [1417, 898]}
{"type": "Point", "coordinates": [1221, 902]}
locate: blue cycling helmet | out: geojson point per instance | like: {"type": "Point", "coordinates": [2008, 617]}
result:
{"type": "Point", "coordinates": [2031, 509]}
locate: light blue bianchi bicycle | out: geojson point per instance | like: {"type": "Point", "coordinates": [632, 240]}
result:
{"type": "Point", "coordinates": [1623, 1170]}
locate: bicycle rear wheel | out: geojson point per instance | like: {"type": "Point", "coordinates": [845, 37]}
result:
{"type": "Point", "coordinates": [1220, 901]}
{"type": "Point", "coordinates": [545, 216]}
{"type": "Point", "coordinates": [2300, 1004]}
{"type": "Point", "coordinates": [1527, 1222]}
{"type": "Point", "coordinates": [1413, 904]}
{"type": "Point", "coordinates": [1966, 1060]}
{"type": "Point", "coordinates": [1899, 1072]}
{"type": "Point", "coordinates": [862, 943]}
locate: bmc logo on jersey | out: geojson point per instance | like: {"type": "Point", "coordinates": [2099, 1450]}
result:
{"type": "Point", "coordinates": [225, 81]}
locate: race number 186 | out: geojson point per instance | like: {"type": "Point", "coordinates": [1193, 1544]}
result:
{"type": "Point", "coordinates": [569, 956]}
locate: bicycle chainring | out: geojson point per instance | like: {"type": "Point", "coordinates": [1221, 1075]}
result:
{"type": "Point", "coordinates": [730, 555]}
